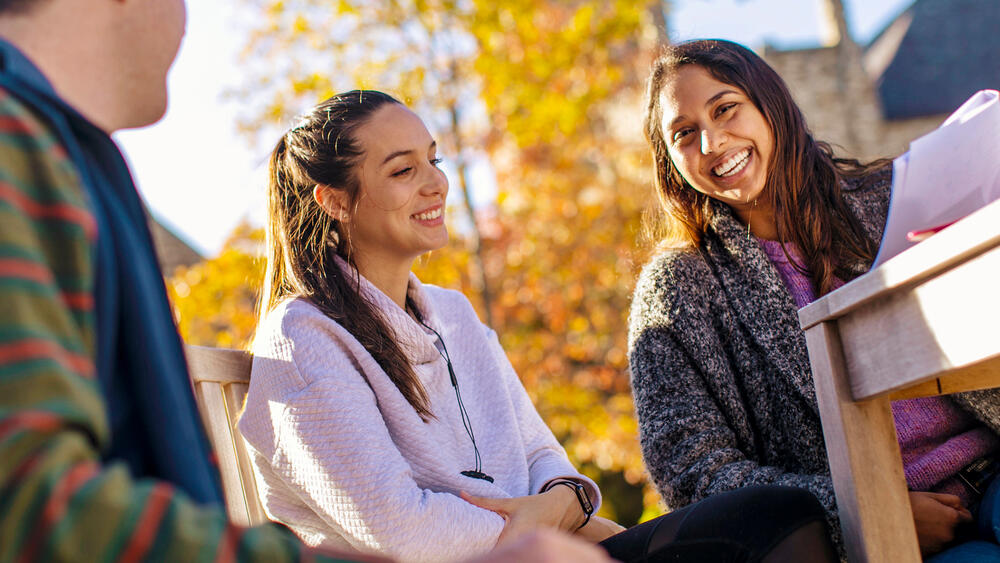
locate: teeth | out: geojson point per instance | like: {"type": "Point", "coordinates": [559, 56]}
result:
{"type": "Point", "coordinates": [733, 165]}
{"type": "Point", "coordinates": [427, 216]}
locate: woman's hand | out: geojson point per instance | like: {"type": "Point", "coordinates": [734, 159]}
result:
{"type": "Point", "coordinates": [599, 529]}
{"type": "Point", "coordinates": [936, 516]}
{"type": "Point", "coordinates": [556, 508]}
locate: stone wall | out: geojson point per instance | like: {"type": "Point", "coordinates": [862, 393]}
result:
{"type": "Point", "coordinates": [838, 101]}
{"type": "Point", "coordinates": [841, 105]}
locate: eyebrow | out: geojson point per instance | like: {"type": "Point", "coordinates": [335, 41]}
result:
{"type": "Point", "coordinates": [393, 155]}
{"type": "Point", "coordinates": [710, 101]}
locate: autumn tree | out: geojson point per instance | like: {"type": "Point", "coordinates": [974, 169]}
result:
{"type": "Point", "coordinates": [563, 85]}
{"type": "Point", "coordinates": [214, 301]}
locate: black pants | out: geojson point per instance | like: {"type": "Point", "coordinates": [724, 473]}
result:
{"type": "Point", "coordinates": [761, 523]}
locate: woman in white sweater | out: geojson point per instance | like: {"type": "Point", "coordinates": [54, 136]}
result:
{"type": "Point", "coordinates": [382, 415]}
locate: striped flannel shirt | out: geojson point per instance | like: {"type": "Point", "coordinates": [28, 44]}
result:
{"type": "Point", "coordinates": [58, 501]}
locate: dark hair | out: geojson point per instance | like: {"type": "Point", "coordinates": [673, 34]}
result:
{"type": "Point", "coordinates": [803, 179]}
{"type": "Point", "coordinates": [17, 6]}
{"type": "Point", "coordinates": [303, 239]}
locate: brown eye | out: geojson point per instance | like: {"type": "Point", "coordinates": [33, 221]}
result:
{"type": "Point", "coordinates": [682, 133]}
{"type": "Point", "coordinates": [725, 108]}
{"type": "Point", "coordinates": [402, 172]}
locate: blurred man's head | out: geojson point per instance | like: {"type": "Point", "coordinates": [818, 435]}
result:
{"type": "Point", "coordinates": [17, 6]}
{"type": "Point", "coordinates": [150, 33]}
{"type": "Point", "coordinates": [107, 58]}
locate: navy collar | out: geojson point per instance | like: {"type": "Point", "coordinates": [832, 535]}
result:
{"type": "Point", "coordinates": [16, 65]}
{"type": "Point", "coordinates": [14, 62]}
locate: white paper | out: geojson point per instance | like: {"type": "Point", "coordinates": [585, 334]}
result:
{"type": "Point", "coordinates": [947, 174]}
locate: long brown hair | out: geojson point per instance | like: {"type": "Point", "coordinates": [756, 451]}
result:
{"type": "Point", "coordinates": [303, 239]}
{"type": "Point", "coordinates": [803, 180]}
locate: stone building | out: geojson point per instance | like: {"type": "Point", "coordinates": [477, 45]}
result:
{"type": "Point", "coordinates": [872, 100]}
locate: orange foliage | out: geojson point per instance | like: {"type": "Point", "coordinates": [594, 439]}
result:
{"type": "Point", "coordinates": [214, 301]}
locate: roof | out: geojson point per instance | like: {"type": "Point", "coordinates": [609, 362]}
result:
{"type": "Point", "coordinates": [171, 250]}
{"type": "Point", "coordinates": [935, 55]}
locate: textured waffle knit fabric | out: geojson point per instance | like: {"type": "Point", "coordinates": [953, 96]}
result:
{"type": "Point", "coordinates": [344, 460]}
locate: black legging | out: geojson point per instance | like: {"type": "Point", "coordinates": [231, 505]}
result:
{"type": "Point", "coordinates": [761, 523]}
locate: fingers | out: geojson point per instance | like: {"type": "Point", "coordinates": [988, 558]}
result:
{"type": "Point", "coordinates": [954, 502]}
{"type": "Point", "coordinates": [501, 506]}
{"type": "Point", "coordinates": [936, 516]}
{"type": "Point", "coordinates": [599, 529]}
{"type": "Point", "coordinates": [611, 524]}
{"type": "Point", "coordinates": [946, 499]}
{"type": "Point", "coordinates": [498, 506]}
{"type": "Point", "coordinates": [522, 514]}
{"type": "Point", "coordinates": [964, 515]}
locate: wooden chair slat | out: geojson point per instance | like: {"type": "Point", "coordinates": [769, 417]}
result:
{"type": "Point", "coordinates": [221, 379]}
{"type": "Point", "coordinates": [235, 395]}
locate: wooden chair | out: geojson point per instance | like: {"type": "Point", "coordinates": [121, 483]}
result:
{"type": "Point", "coordinates": [221, 378]}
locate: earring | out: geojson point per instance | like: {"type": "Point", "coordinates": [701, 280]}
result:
{"type": "Point", "coordinates": [750, 218]}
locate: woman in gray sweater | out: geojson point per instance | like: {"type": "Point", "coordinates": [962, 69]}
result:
{"type": "Point", "coordinates": [758, 218]}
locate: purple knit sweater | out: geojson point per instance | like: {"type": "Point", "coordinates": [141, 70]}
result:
{"type": "Point", "coordinates": [936, 437]}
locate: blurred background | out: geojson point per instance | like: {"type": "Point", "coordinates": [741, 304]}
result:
{"type": "Point", "coordinates": [537, 106]}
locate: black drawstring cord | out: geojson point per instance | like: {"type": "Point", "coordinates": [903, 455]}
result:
{"type": "Point", "coordinates": [477, 473]}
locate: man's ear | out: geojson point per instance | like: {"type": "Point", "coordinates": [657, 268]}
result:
{"type": "Point", "coordinates": [333, 201]}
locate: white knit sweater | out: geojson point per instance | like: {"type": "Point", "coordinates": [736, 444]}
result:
{"type": "Point", "coordinates": [345, 461]}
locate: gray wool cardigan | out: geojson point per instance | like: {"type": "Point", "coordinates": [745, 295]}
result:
{"type": "Point", "coordinates": [720, 371]}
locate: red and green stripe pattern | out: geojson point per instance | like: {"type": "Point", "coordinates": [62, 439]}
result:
{"type": "Point", "coordinates": [58, 501]}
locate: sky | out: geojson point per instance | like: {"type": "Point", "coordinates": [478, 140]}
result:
{"type": "Point", "coordinates": [201, 177]}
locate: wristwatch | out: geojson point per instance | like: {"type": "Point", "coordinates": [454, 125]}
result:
{"type": "Point", "coordinates": [581, 496]}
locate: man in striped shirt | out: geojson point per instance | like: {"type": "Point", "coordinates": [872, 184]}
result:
{"type": "Point", "coordinates": [101, 453]}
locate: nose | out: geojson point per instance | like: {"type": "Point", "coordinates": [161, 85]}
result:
{"type": "Point", "coordinates": [710, 140]}
{"type": "Point", "coordinates": [436, 183]}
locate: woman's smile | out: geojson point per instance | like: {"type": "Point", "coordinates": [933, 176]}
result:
{"type": "Point", "coordinates": [733, 165]}
{"type": "Point", "coordinates": [430, 217]}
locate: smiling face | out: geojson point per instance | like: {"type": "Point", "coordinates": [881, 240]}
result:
{"type": "Point", "coordinates": [399, 214]}
{"type": "Point", "coordinates": [717, 138]}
